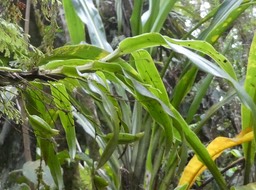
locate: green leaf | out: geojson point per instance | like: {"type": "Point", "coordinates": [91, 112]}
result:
{"type": "Point", "coordinates": [85, 52]}
{"type": "Point", "coordinates": [136, 17]}
{"type": "Point", "coordinates": [201, 90]}
{"type": "Point", "coordinates": [209, 50]}
{"type": "Point", "coordinates": [91, 17]}
{"type": "Point", "coordinates": [183, 87]}
{"type": "Point", "coordinates": [111, 107]}
{"type": "Point", "coordinates": [150, 75]}
{"type": "Point", "coordinates": [43, 129]}
{"type": "Point", "coordinates": [61, 99]}
{"type": "Point", "coordinates": [224, 17]}
{"type": "Point", "coordinates": [248, 117]}
{"type": "Point", "coordinates": [250, 86]}
{"type": "Point", "coordinates": [75, 25]}
{"type": "Point", "coordinates": [125, 138]}
{"type": "Point", "coordinates": [59, 64]}
{"type": "Point", "coordinates": [51, 159]}
{"type": "Point", "coordinates": [153, 19]}
{"type": "Point", "coordinates": [154, 39]}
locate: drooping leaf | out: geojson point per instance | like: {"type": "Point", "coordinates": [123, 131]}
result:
{"type": "Point", "coordinates": [223, 18]}
{"type": "Point", "coordinates": [99, 87]}
{"type": "Point", "coordinates": [61, 99]}
{"type": "Point", "coordinates": [150, 40]}
{"type": "Point", "coordinates": [195, 167]}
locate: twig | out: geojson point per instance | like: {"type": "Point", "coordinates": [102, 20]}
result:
{"type": "Point", "coordinates": [25, 131]}
{"type": "Point", "coordinates": [239, 161]}
{"type": "Point", "coordinates": [27, 16]}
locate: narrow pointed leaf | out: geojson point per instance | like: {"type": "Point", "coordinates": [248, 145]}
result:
{"type": "Point", "coordinates": [61, 99]}
{"type": "Point", "coordinates": [75, 25]}
{"type": "Point", "coordinates": [91, 17]}
{"type": "Point", "coordinates": [248, 118]}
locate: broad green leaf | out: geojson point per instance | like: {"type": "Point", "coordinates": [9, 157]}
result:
{"type": "Point", "coordinates": [75, 26]}
{"type": "Point", "coordinates": [223, 18]}
{"type": "Point", "coordinates": [150, 75]}
{"type": "Point", "coordinates": [85, 52]}
{"type": "Point", "coordinates": [59, 64]}
{"type": "Point", "coordinates": [154, 39]}
{"type": "Point", "coordinates": [208, 49]}
{"type": "Point", "coordinates": [157, 109]}
{"type": "Point", "coordinates": [91, 17]}
{"type": "Point", "coordinates": [61, 99]}
{"type": "Point", "coordinates": [150, 40]}
{"type": "Point", "coordinates": [195, 167]}
{"type": "Point", "coordinates": [208, 67]}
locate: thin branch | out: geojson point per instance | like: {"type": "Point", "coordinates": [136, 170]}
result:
{"type": "Point", "coordinates": [27, 18]}
{"type": "Point", "coordinates": [237, 162]}
{"type": "Point", "coordinates": [25, 130]}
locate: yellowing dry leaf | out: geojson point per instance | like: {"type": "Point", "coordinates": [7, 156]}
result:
{"type": "Point", "coordinates": [215, 148]}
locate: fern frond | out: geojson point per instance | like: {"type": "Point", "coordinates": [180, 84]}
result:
{"type": "Point", "coordinates": [12, 41]}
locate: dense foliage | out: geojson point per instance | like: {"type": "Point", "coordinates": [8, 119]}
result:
{"type": "Point", "coordinates": [153, 109]}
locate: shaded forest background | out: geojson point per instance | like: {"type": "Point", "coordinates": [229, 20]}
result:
{"type": "Point", "coordinates": [48, 29]}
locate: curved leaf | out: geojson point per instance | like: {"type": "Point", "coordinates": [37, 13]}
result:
{"type": "Point", "coordinates": [195, 167]}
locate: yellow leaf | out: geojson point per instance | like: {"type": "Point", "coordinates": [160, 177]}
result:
{"type": "Point", "coordinates": [195, 167]}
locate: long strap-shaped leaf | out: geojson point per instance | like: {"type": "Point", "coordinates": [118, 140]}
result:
{"type": "Point", "coordinates": [90, 16]}
{"type": "Point", "coordinates": [61, 99]}
{"type": "Point", "coordinates": [153, 19]}
{"type": "Point", "coordinates": [247, 115]}
{"type": "Point", "coordinates": [75, 25]}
